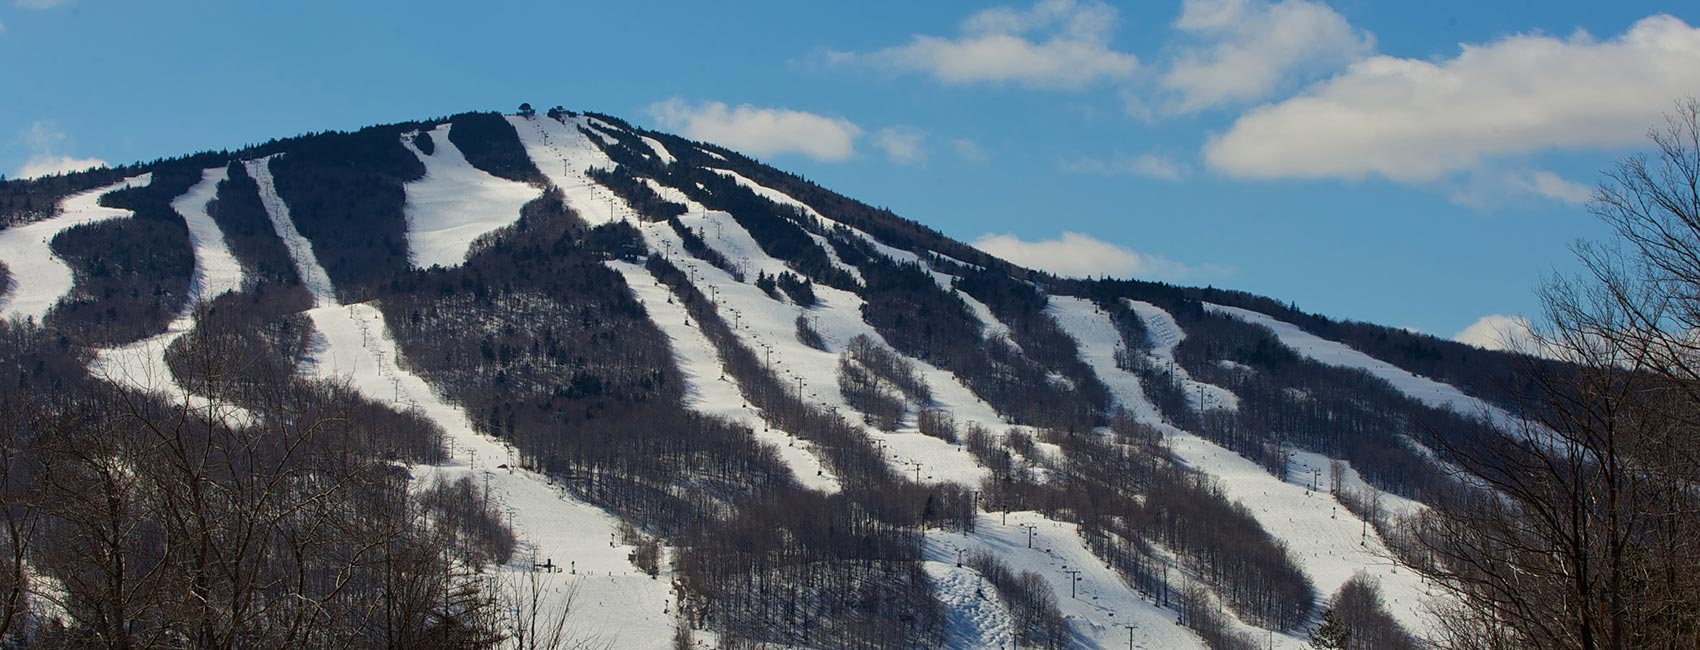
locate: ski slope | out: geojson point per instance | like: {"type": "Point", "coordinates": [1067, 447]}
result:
{"type": "Point", "coordinates": [1099, 612]}
{"type": "Point", "coordinates": [313, 276]}
{"type": "Point", "coordinates": [660, 151]}
{"type": "Point", "coordinates": [455, 203]}
{"type": "Point", "coordinates": [1422, 389]}
{"type": "Point", "coordinates": [763, 324]}
{"type": "Point", "coordinates": [1329, 543]}
{"type": "Point", "coordinates": [141, 365]}
{"type": "Point", "coordinates": [1165, 335]}
{"type": "Point", "coordinates": [39, 279]}
{"type": "Point", "coordinates": [708, 389]}
{"type": "Point", "coordinates": [615, 602]}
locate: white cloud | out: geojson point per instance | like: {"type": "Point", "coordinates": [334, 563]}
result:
{"type": "Point", "coordinates": [1247, 49]}
{"type": "Point", "coordinates": [760, 131]}
{"type": "Point", "coordinates": [1544, 183]}
{"type": "Point", "coordinates": [969, 151]}
{"type": "Point", "coordinates": [42, 138]}
{"type": "Point", "coordinates": [1417, 121]}
{"type": "Point", "coordinates": [1501, 332]}
{"type": "Point", "coordinates": [1078, 255]}
{"type": "Point", "coordinates": [1489, 188]}
{"type": "Point", "coordinates": [902, 144]}
{"type": "Point", "coordinates": [48, 164]}
{"type": "Point", "coordinates": [40, 4]}
{"type": "Point", "coordinates": [1146, 165]}
{"type": "Point", "coordinates": [1002, 45]}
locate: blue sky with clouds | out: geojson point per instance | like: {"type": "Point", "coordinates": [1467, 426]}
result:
{"type": "Point", "coordinates": [1414, 164]}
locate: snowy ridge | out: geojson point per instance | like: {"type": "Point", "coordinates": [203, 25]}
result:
{"type": "Point", "coordinates": [1422, 389]}
{"type": "Point", "coordinates": [455, 203]}
{"type": "Point", "coordinates": [39, 279]}
{"type": "Point", "coordinates": [1329, 543]}
{"type": "Point", "coordinates": [313, 276]}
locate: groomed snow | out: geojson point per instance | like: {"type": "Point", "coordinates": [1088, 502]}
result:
{"type": "Point", "coordinates": [313, 276]}
{"type": "Point", "coordinates": [1165, 334]}
{"type": "Point", "coordinates": [141, 365]}
{"type": "Point", "coordinates": [39, 279]}
{"type": "Point", "coordinates": [1333, 353]}
{"type": "Point", "coordinates": [1329, 543]}
{"type": "Point", "coordinates": [615, 603]}
{"type": "Point", "coordinates": [660, 151]}
{"type": "Point", "coordinates": [1100, 611]}
{"type": "Point", "coordinates": [455, 203]}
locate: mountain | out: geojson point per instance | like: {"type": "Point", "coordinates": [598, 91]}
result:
{"type": "Point", "coordinates": [511, 379]}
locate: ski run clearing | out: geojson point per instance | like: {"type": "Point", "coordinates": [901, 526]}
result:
{"type": "Point", "coordinates": [1422, 389]}
{"type": "Point", "coordinates": [455, 203]}
{"type": "Point", "coordinates": [615, 602]}
{"type": "Point", "coordinates": [141, 365]}
{"type": "Point", "coordinates": [1328, 542]}
{"type": "Point", "coordinates": [38, 277]}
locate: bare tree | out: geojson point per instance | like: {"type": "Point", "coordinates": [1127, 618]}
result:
{"type": "Point", "coordinates": [1579, 529]}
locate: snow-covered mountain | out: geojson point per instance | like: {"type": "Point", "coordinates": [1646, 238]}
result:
{"type": "Point", "coordinates": [719, 405]}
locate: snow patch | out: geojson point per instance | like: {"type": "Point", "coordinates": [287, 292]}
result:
{"type": "Point", "coordinates": [455, 203]}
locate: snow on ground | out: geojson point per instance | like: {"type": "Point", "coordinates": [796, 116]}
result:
{"type": "Point", "coordinates": [1165, 334]}
{"type": "Point", "coordinates": [1333, 353]}
{"type": "Point", "coordinates": [1303, 464]}
{"type": "Point", "coordinates": [455, 203]}
{"type": "Point", "coordinates": [1328, 542]}
{"type": "Point", "coordinates": [38, 277]}
{"type": "Point", "coordinates": [616, 602]}
{"type": "Point", "coordinates": [1099, 612]}
{"type": "Point", "coordinates": [564, 154]}
{"type": "Point", "coordinates": [766, 325]}
{"type": "Point", "coordinates": [313, 276]}
{"type": "Point", "coordinates": [974, 615]}
{"type": "Point", "coordinates": [141, 365]}
{"type": "Point", "coordinates": [660, 151]}
{"type": "Point", "coordinates": [708, 389]}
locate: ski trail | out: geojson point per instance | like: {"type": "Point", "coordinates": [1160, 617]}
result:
{"type": "Point", "coordinates": [1329, 543]}
{"type": "Point", "coordinates": [455, 203]}
{"type": "Point", "coordinates": [1333, 353]}
{"type": "Point", "coordinates": [1165, 336]}
{"type": "Point", "coordinates": [1103, 605]}
{"type": "Point", "coordinates": [708, 389]}
{"type": "Point", "coordinates": [39, 278]}
{"type": "Point", "coordinates": [141, 365]}
{"type": "Point", "coordinates": [616, 603]}
{"type": "Point", "coordinates": [313, 276]}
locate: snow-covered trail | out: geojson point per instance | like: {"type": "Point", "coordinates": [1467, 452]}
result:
{"type": "Point", "coordinates": [616, 602]}
{"type": "Point", "coordinates": [708, 389]}
{"type": "Point", "coordinates": [1103, 605]}
{"type": "Point", "coordinates": [1165, 335]}
{"type": "Point", "coordinates": [1329, 543]}
{"type": "Point", "coordinates": [765, 325]}
{"type": "Point", "coordinates": [563, 154]}
{"type": "Point", "coordinates": [313, 276]}
{"type": "Point", "coordinates": [455, 203]}
{"type": "Point", "coordinates": [39, 279]}
{"type": "Point", "coordinates": [1422, 389]}
{"type": "Point", "coordinates": [141, 365]}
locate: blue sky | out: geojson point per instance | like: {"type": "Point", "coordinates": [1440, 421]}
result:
{"type": "Point", "coordinates": [1414, 164]}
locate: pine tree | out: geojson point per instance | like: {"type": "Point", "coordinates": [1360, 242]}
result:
{"type": "Point", "coordinates": [1331, 634]}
